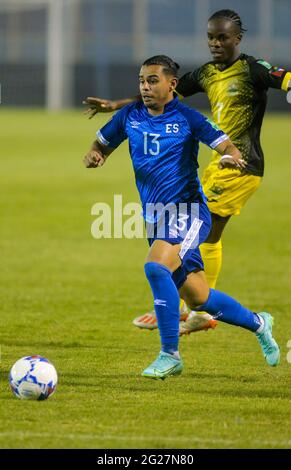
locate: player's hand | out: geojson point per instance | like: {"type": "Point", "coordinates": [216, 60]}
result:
{"type": "Point", "coordinates": [231, 161]}
{"type": "Point", "coordinates": [94, 159]}
{"type": "Point", "coordinates": [98, 105]}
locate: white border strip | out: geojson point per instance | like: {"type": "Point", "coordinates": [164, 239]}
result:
{"type": "Point", "coordinates": [218, 141]}
{"type": "Point", "coordinates": [101, 138]}
{"type": "Point", "coordinates": [190, 236]}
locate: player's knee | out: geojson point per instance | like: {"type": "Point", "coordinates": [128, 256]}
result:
{"type": "Point", "coordinates": [155, 270]}
{"type": "Point", "coordinates": [200, 298]}
{"type": "Point", "coordinates": [217, 227]}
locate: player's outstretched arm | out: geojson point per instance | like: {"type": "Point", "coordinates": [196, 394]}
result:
{"type": "Point", "coordinates": [230, 155]}
{"type": "Point", "coordinates": [265, 75]}
{"type": "Point", "coordinates": [100, 105]}
{"type": "Point", "coordinates": [97, 155]}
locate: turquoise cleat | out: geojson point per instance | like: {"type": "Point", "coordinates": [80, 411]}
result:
{"type": "Point", "coordinates": [164, 366]}
{"type": "Point", "coordinates": [269, 346]}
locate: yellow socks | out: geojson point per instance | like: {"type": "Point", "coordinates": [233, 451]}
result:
{"type": "Point", "coordinates": [212, 258]}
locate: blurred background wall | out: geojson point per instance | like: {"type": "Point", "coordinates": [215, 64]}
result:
{"type": "Point", "coordinates": [55, 52]}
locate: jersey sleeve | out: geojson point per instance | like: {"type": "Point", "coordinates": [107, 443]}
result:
{"type": "Point", "coordinates": [114, 132]}
{"type": "Point", "coordinates": [189, 84]}
{"type": "Point", "coordinates": [205, 130]}
{"type": "Point", "coordinates": [266, 76]}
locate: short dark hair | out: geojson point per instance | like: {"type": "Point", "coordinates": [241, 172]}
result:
{"type": "Point", "coordinates": [229, 15]}
{"type": "Point", "coordinates": [169, 66]}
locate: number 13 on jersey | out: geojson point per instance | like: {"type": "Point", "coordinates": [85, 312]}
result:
{"type": "Point", "coordinates": [151, 144]}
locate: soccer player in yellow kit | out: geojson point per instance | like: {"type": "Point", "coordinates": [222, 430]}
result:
{"type": "Point", "coordinates": [236, 85]}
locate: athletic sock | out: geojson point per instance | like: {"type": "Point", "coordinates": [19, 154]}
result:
{"type": "Point", "coordinates": [166, 301]}
{"type": "Point", "coordinates": [212, 258]}
{"type": "Point", "coordinates": [226, 309]}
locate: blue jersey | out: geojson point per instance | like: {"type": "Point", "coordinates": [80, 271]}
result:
{"type": "Point", "coordinates": [163, 149]}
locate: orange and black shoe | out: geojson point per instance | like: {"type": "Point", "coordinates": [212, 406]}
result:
{"type": "Point", "coordinates": [197, 322]}
{"type": "Point", "coordinates": [148, 320]}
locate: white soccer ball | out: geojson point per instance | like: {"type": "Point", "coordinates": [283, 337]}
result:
{"type": "Point", "coordinates": [33, 378]}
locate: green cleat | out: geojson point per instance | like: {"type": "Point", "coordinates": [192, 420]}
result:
{"type": "Point", "coordinates": [164, 366]}
{"type": "Point", "coordinates": [269, 346]}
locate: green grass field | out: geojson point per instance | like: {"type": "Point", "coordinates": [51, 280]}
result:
{"type": "Point", "coordinates": [71, 298]}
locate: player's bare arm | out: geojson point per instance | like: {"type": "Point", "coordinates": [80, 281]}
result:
{"type": "Point", "coordinates": [100, 105]}
{"type": "Point", "coordinates": [230, 155]}
{"type": "Point", "coordinates": [97, 155]}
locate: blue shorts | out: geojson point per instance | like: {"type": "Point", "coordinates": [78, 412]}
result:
{"type": "Point", "coordinates": [187, 224]}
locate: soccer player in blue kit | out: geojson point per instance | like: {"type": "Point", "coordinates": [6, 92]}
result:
{"type": "Point", "coordinates": [163, 139]}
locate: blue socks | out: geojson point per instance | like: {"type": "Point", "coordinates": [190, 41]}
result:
{"type": "Point", "coordinates": [224, 308]}
{"type": "Point", "coordinates": [167, 302]}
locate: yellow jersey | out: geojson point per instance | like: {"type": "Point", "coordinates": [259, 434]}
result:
{"type": "Point", "coordinates": [238, 97]}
